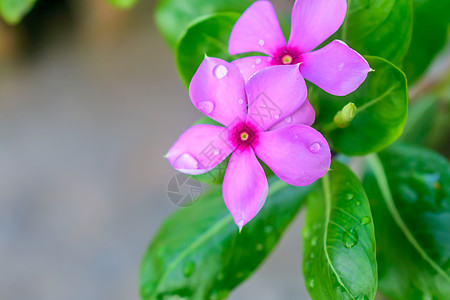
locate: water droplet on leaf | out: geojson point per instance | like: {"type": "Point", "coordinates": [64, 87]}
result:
{"type": "Point", "coordinates": [365, 220]}
{"type": "Point", "coordinates": [350, 238]}
{"type": "Point", "coordinates": [314, 241]}
{"type": "Point", "coordinates": [311, 283]}
{"type": "Point", "coordinates": [350, 196]}
{"type": "Point", "coordinates": [206, 107]}
{"type": "Point", "coordinates": [268, 229]}
{"type": "Point", "coordinates": [259, 247]}
{"type": "Point", "coordinates": [314, 148]}
{"type": "Point", "coordinates": [358, 203]}
{"type": "Point", "coordinates": [220, 71]}
{"type": "Point", "coordinates": [188, 268]}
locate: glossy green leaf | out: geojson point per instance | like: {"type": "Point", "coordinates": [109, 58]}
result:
{"type": "Point", "coordinates": [123, 3]}
{"type": "Point", "coordinates": [431, 23]}
{"type": "Point", "coordinates": [379, 28]}
{"type": "Point", "coordinates": [173, 17]}
{"type": "Point", "coordinates": [382, 106]}
{"type": "Point", "coordinates": [13, 11]}
{"type": "Point", "coordinates": [339, 240]}
{"type": "Point", "coordinates": [409, 190]}
{"type": "Point", "coordinates": [208, 36]}
{"type": "Point", "coordinates": [198, 252]}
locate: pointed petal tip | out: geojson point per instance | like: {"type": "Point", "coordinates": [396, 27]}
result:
{"type": "Point", "coordinates": [372, 70]}
{"type": "Point", "coordinates": [240, 224]}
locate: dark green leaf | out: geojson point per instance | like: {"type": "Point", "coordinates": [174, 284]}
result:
{"type": "Point", "coordinates": [173, 17]}
{"type": "Point", "coordinates": [13, 11]}
{"type": "Point", "coordinates": [409, 190]}
{"type": "Point", "coordinates": [123, 3]}
{"type": "Point", "coordinates": [379, 28]}
{"type": "Point", "coordinates": [382, 105]}
{"type": "Point", "coordinates": [431, 22]}
{"type": "Point", "coordinates": [208, 36]}
{"type": "Point", "coordinates": [339, 240]}
{"type": "Point", "coordinates": [198, 252]}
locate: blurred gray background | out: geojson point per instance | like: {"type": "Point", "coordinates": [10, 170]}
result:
{"type": "Point", "coordinates": [90, 100]}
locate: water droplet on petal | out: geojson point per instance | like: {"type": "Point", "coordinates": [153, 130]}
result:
{"type": "Point", "coordinates": [311, 283]}
{"type": "Point", "coordinates": [314, 148]}
{"type": "Point", "coordinates": [220, 71]}
{"type": "Point", "coordinates": [350, 196]}
{"type": "Point", "coordinates": [261, 42]}
{"type": "Point", "coordinates": [269, 59]}
{"type": "Point", "coordinates": [188, 268]}
{"type": "Point", "coordinates": [185, 161]}
{"type": "Point", "coordinates": [276, 117]}
{"type": "Point", "coordinates": [341, 66]}
{"type": "Point", "coordinates": [350, 238]}
{"type": "Point", "coordinates": [258, 61]}
{"type": "Point", "coordinates": [253, 66]}
{"type": "Point", "coordinates": [206, 107]}
{"type": "Point", "coordinates": [241, 101]}
{"type": "Point", "coordinates": [365, 220]}
{"type": "Point", "coordinates": [216, 152]}
{"type": "Point", "coordinates": [288, 119]}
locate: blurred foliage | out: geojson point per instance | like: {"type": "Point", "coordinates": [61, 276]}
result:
{"type": "Point", "coordinates": [409, 191]}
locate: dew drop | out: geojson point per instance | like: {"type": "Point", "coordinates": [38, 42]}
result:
{"type": "Point", "coordinates": [314, 241]}
{"type": "Point", "coordinates": [185, 161]}
{"type": "Point", "coordinates": [261, 42]}
{"type": "Point", "coordinates": [258, 61]}
{"type": "Point", "coordinates": [311, 255]}
{"type": "Point", "coordinates": [253, 66]}
{"type": "Point", "coordinates": [259, 247]}
{"type": "Point", "coordinates": [306, 233]}
{"type": "Point", "coordinates": [206, 107]}
{"type": "Point", "coordinates": [365, 220]}
{"type": "Point", "coordinates": [268, 229]}
{"type": "Point", "coordinates": [188, 268]}
{"type": "Point", "coordinates": [276, 117]}
{"type": "Point", "coordinates": [241, 101]}
{"type": "Point", "coordinates": [349, 196]}
{"type": "Point", "coordinates": [311, 283]}
{"type": "Point", "coordinates": [314, 148]}
{"type": "Point", "coordinates": [216, 152]}
{"type": "Point", "coordinates": [341, 66]}
{"type": "Point", "coordinates": [269, 59]}
{"type": "Point", "coordinates": [220, 71]}
{"type": "Point", "coordinates": [288, 119]}
{"type": "Point", "coordinates": [350, 238]}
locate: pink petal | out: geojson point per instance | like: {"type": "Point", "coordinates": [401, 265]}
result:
{"type": "Point", "coordinates": [257, 30]}
{"type": "Point", "coordinates": [274, 94]}
{"type": "Point", "coordinates": [335, 68]}
{"type": "Point", "coordinates": [199, 149]}
{"type": "Point", "coordinates": [305, 115]}
{"type": "Point", "coordinates": [313, 21]}
{"type": "Point", "coordinates": [250, 65]}
{"type": "Point", "coordinates": [298, 154]}
{"type": "Point", "coordinates": [245, 186]}
{"type": "Point", "coordinates": [217, 89]}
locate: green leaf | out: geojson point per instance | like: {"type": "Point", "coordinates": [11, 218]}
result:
{"type": "Point", "coordinates": [431, 23]}
{"type": "Point", "coordinates": [339, 240]}
{"type": "Point", "coordinates": [379, 28]}
{"type": "Point", "coordinates": [409, 190]}
{"type": "Point", "coordinates": [173, 17]}
{"type": "Point", "coordinates": [13, 11]}
{"type": "Point", "coordinates": [208, 36]}
{"type": "Point", "coordinates": [123, 3]}
{"type": "Point", "coordinates": [382, 106]}
{"type": "Point", "coordinates": [198, 252]}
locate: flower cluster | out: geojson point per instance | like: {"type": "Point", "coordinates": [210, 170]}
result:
{"type": "Point", "coordinates": [261, 103]}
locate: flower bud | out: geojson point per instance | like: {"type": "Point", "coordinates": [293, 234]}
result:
{"type": "Point", "coordinates": [343, 117]}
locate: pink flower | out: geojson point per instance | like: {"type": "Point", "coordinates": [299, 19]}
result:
{"type": "Point", "coordinates": [258, 123]}
{"type": "Point", "coordinates": [335, 68]}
